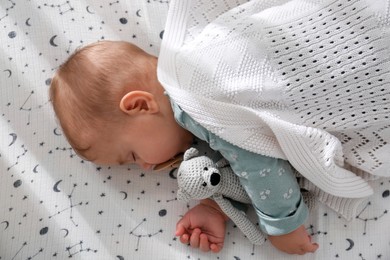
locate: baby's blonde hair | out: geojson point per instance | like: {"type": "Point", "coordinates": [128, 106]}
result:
{"type": "Point", "coordinates": [86, 90]}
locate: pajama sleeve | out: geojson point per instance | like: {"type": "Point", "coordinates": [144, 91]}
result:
{"type": "Point", "coordinates": [274, 191]}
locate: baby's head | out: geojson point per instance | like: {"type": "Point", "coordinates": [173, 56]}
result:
{"type": "Point", "coordinates": [98, 91]}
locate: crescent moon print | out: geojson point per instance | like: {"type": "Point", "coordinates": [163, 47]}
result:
{"type": "Point", "coordinates": [66, 231]}
{"type": "Point", "coordinates": [171, 173]}
{"type": "Point", "coordinates": [6, 224]}
{"type": "Point", "coordinates": [35, 168]}
{"type": "Point", "coordinates": [14, 137]}
{"type": "Point", "coordinates": [125, 194]}
{"type": "Point", "coordinates": [88, 10]}
{"type": "Point", "coordinates": [28, 22]}
{"type": "Point", "coordinates": [138, 13]}
{"type": "Point", "coordinates": [55, 187]}
{"type": "Point", "coordinates": [351, 244]}
{"type": "Point", "coordinates": [52, 43]}
{"type": "Point", "coordinates": [55, 131]}
{"type": "Point", "coordinates": [9, 72]}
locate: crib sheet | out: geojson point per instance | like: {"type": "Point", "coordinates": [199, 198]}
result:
{"type": "Point", "coordinates": [54, 205]}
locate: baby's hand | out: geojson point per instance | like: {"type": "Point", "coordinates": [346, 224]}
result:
{"type": "Point", "coordinates": [296, 242]}
{"type": "Point", "coordinates": [203, 227]}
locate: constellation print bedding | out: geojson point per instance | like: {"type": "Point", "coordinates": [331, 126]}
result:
{"type": "Point", "coordinates": [54, 205]}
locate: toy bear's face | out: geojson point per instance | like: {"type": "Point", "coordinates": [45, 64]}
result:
{"type": "Point", "coordinates": [198, 178]}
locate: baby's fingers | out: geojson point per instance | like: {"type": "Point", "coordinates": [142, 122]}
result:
{"type": "Point", "coordinates": [204, 243]}
{"type": "Point", "coordinates": [185, 238]}
{"type": "Point", "coordinates": [195, 238]}
{"type": "Point", "coordinates": [311, 248]}
{"type": "Point", "coordinates": [215, 248]}
{"type": "Point", "coordinates": [182, 233]}
{"type": "Point", "coordinates": [180, 230]}
{"type": "Point", "coordinates": [307, 248]}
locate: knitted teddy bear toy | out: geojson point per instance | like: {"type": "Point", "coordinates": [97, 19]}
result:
{"type": "Point", "coordinates": [200, 178]}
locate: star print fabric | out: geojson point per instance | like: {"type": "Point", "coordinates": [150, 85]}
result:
{"type": "Point", "coordinates": [56, 206]}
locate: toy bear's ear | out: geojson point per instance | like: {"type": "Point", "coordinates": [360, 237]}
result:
{"type": "Point", "coordinates": [190, 153]}
{"type": "Point", "coordinates": [222, 163]}
{"type": "Point", "coordinates": [183, 196]}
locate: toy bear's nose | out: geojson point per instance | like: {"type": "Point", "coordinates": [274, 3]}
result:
{"type": "Point", "coordinates": [215, 178]}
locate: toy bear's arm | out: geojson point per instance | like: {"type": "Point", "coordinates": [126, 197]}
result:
{"type": "Point", "coordinates": [249, 229]}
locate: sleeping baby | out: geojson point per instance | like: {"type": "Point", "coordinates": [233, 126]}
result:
{"type": "Point", "coordinates": [272, 87]}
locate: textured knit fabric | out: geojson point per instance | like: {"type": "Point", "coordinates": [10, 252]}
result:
{"type": "Point", "coordinates": [303, 80]}
{"type": "Point", "coordinates": [199, 177]}
{"type": "Point", "coordinates": [269, 182]}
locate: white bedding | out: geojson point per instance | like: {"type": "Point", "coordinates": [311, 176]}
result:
{"type": "Point", "coordinates": [53, 205]}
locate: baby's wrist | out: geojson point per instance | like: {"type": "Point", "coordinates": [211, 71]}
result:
{"type": "Point", "coordinates": [212, 204]}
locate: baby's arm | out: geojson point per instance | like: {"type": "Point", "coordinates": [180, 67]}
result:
{"type": "Point", "coordinates": [296, 242]}
{"type": "Point", "coordinates": [279, 216]}
{"type": "Point", "coordinates": [203, 226]}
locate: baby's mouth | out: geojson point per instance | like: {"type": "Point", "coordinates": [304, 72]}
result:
{"type": "Point", "coordinates": [172, 163]}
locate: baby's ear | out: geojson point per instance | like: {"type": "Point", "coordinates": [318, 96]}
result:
{"type": "Point", "coordinates": [138, 101]}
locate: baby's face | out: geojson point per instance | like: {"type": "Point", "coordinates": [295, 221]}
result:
{"type": "Point", "coordinates": [147, 143]}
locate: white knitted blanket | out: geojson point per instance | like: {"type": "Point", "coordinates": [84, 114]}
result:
{"type": "Point", "coordinates": [303, 80]}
